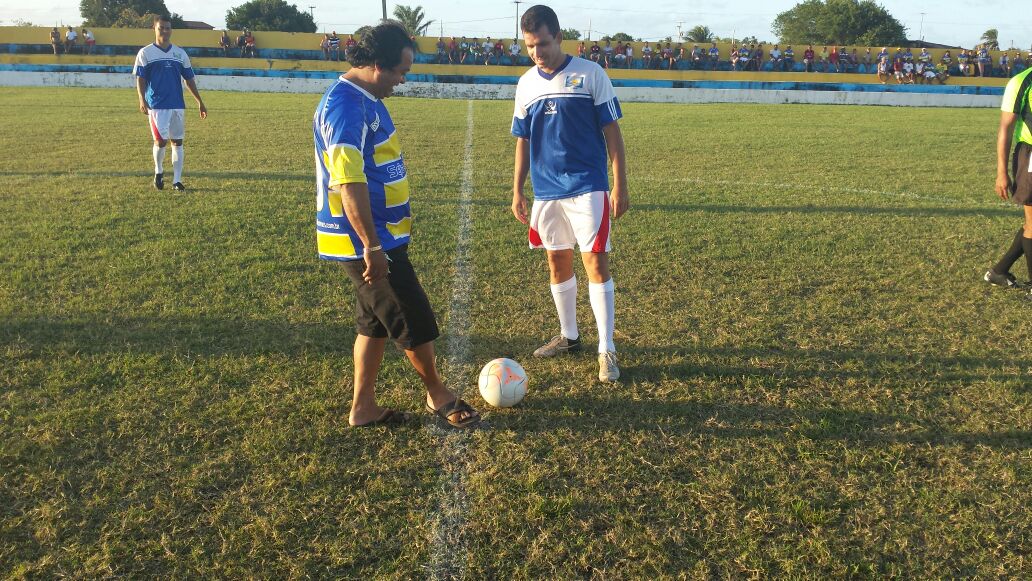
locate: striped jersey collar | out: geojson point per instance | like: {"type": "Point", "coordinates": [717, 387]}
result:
{"type": "Point", "coordinates": [359, 89]}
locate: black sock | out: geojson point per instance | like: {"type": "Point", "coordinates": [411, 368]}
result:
{"type": "Point", "coordinates": [1012, 255]}
{"type": "Point", "coordinates": [1026, 243]}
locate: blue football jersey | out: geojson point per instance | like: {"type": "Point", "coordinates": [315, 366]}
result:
{"type": "Point", "coordinates": [562, 115]}
{"type": "Point", "coordinates": [164, 71]}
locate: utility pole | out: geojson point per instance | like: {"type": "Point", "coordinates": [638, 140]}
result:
{"type": "Point", "coordinates": [384, 10]}
{"type": "Point", "coordinates": [589, 29]}
{"type": "Point", "coordinates": [517, 3]}
{"type": "Point", "coordinates": [679, 35]}
{"type": "Point", "coordinates": [920, 33]}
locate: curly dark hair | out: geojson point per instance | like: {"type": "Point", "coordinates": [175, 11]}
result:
{"type": "Point", "coordinates": [382, 46]}
{"type": "Point", "coordinates": [537, 16]}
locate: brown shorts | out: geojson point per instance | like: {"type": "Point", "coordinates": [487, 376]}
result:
{"type": "Point", "coordinates": [1021, 184]}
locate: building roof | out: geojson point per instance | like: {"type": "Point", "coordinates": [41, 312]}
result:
{"type": "Point", "coordinates": [196, 25]}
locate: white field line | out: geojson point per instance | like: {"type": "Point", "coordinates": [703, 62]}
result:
{"type": "Point", "coordinates": [448, 543]}
{"type": "Point", "coordinates": [991, 199]}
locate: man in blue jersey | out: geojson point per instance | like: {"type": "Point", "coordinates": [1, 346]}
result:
{"type": "Point", "coordinates": [565, 123]}
{"type": "Point", "coordinates": [363, 219]}
{"type": "Point", "coordinates": [160, 70]}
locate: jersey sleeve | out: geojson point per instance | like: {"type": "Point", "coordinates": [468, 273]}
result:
{"type": "Point", "coordinates": [1012, 95]}
{"type": "Point", "coordinates": [187, 72]}
{"type": "Point", "coordinates": [140, 66]}
{"type": "Point", "coordinates": [607, 106]}
{"type": "Point", "coordinates": [520, 122]}
{"type": "Point", "coordinates": [344, 133]}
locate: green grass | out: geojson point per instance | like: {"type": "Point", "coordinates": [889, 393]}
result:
{"type": "Point", "coordinates": [817, 384]}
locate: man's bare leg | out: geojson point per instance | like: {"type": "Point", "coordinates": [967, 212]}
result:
{"type": "Point", "coordinates": [368, 356]}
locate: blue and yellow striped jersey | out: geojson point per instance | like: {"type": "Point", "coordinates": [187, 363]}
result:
{"type": "Point", "coordinates": [356, 142]}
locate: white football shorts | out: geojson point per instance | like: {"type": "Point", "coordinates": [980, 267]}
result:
{"type": "Point", "coordinates": [581, 220]}
{"type": "Point", "coordinates": [167, 123]}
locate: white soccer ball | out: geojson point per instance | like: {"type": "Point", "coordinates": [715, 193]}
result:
{"type": "Point", "coordinates": [503, 382]}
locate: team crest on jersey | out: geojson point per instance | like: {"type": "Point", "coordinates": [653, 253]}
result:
{"type": "Point", "coordinates": [375, 124]}
{"type": "Point", "coordinates": [575, 82]}
{"type": "Point", "coordinates": [551, 108]}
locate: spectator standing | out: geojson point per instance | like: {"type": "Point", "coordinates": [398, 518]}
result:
{"type": "Point", "coordinates": [225, 43]}
{"type": "Point", "coordinates": [514, 52]}
{"type": "Point", "coordinates": [843, 59]}
{"type": "Point", "coordinates": [789, 59]}
{"type": "Point", "coordinates": [868, 60]}
{"type": "Point", "coordinates": [946, 60]}
{"type": "Point", "coordinates": [333, 47]}
{"type": "Point", "coordinates": [714, 56]}
{"type": "Point", "coordinates": [808, 57]}
{"type": "Point", "coordinates": [1005, 64]}
{"type": "Point", "coordinates": [70, 38]}
{"type": "Point", "coordinates": [908, 56]}
{"type": "Point", "coordinates": [55, 40]}
{"type": "Point", "coordinates": [499, 51]}
{"type": "Point", "coordinates": [884, 71]}
{"type": "Point", "coordinates": [985, 63]}
{"type": "Point", "coordinates": [854, 60]}
{"type": "Point", "coordinates": [825, 59]}
{"type": "Point", "coordinates": [453, 51]}
{"type": "Point", "coordinates": [88, 40]}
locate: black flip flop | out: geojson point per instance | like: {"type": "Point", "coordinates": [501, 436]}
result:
{"type": "Point", "coordinates": [389, 418]}
{"type": "Point", "coordinates": [455, 408]}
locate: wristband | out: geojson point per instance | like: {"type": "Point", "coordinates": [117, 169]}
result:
{"type": "Point", "coordinates": [374, 248]}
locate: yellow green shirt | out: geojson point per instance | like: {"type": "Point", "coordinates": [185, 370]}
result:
{"type": "Point", "coordinates": [1016, 99]}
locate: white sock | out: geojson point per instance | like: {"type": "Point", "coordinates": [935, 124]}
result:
{"type": "Point", "coordinates": [603, 303]}
{"type": "Point", "coordinates": [565, 296]}
{"type": "Point", "coordinates": [159, 159]}
{"type": "Point", "coordinates": [177, 163]}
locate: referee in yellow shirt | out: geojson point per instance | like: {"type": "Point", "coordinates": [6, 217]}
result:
{"type": "Point", "coordinates": [1015, 125]}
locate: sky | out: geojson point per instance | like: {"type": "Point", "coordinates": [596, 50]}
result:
{"type": "Point", "coordinates": [954, 22]}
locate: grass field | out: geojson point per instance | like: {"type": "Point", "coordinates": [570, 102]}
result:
{"type": "Point", "coordinates": [816, 381]}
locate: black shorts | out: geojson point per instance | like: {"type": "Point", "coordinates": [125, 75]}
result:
{"type": "Point", "coordinates": [1021, 184]}
{"type": "Point", "coordinates": [395, 307]}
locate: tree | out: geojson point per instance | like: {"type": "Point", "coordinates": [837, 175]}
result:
{"type": "Point", "coordinates": [699, 33]}
{"type": "Point", "coordinates": [273, 15]}
{"type": "Point", "coordinates": [570, 34]}
{"type": "Point", "coordinates": [412, 19]}
{"type": "Point", "coordinates": [839, 22]}
{"type": "Point", "coordinates": [105, 13]}
{"type": "Point", "coordinates": [991, 39]}
{"type": "Point", "coordinates": [618, 37]}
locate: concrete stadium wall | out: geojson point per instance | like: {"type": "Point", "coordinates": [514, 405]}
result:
{"type": "Point", "coordinates": [438, 90]}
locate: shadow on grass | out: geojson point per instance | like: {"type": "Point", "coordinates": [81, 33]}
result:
{"type": "Point", "coordinates": [137, 174]}
{"type": "Point", "coordinates": [610, 412]}
{"type": "Point", "coordinates": [812, 209]}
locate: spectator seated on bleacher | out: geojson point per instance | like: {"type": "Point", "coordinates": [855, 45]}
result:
{"type": "Point", "coordinates": [88, 41]}
{"type": "Point", "coordinates": [619, 57]}
{"type": "Point", "coordinates": [349, 46]}
{"type": "Point", "coordinates": [946, 60]}
{"type": "Point", "coordinates": [486, 50]}
{"type": "Point", "coordinates": [843, 59]}
{"type": "Point", "coordinates": [333, 47]}
{"type": "Point", "coordinates": [514, 52]}
{"type": "Point", "coordinates": [775, 58]}
{"type": "Point", "coordinates": [714, 56]}
{"type": "Point", "coordinates": [964, 62]}
{"type": "Point", "coordinates": [697, 57]}
{"type": "Point", "coordinates": [241, 41]}
{"type": "Point", "coordinates": [788, 59]}
{"type": "Point", "coordinates": [646, 56]}
{"type": "Point", "coordinates": [224, 43]}
{"type": "Point", "coordinates": [985, 63]}
{"type": "Point", "coordinates": [808, 57]}
{"type": "Point", "coordinates": [595, 52]}
{"type": "Point", "coordinates": [70, 38]}
{"type": "Point", "coordinates": [453, 51]}
{"type": "Point", "coordinates": [250, 47]}
{"type": "Point", "coordinates": [629, 54]}
{"type": "Point", "coordinates": [607, 54]}
{"type": "Point", "coordinates": [884, 69]}
{"type": "Point", "coordinates": [55, 40]}
{"type": "Point", "coordinates": [1005, 64]}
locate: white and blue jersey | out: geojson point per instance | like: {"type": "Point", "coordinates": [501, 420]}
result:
{"type": "Point", "coordinates": [164, 71]}
{"type": "Point", "coordinates": [562, 115]}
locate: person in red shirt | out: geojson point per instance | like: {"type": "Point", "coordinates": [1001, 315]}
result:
{"type": "Point", "coordinates": [808, 58]}
{"type": "Point", "coordinates": [833, 57]}
{"type": "Point", "coordinates": [453, 51]}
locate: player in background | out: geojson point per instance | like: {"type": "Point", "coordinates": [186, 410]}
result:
{"type": "Point", "coordinates": [160, 70]}
{"type": "Point", "coordinates": [1015, 125]}
{"type": "Point", "coordinates": [565, 123]}
{"type": "Point", "coordinates": [364, 220]}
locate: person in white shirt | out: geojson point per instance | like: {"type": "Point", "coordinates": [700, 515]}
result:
{"type": "Point", "coordinates": [70, 37]}
{"type": "Point", "coordinates": [514, 52]}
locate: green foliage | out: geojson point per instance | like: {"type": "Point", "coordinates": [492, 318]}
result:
{"type": "Point", "coordinates": [839, 22]}
{"type": "Point", "coordinates": [699, 33]}
{"type": "Point", "coordinates": [991, 39]}
{"type": "Point", "coordinates": [571, 34]}
{"type": "Point", "coordinates": [120, 13]}
{"type": "Point", "coordinates": [412, 19]}
{"type": "Point", "coordinates": [274, 15]}
{"type": "Point", "coordinates": [618, 37]}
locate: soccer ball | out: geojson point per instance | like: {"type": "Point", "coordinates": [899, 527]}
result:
{"type": "Point", "coordinates": [503, 383]}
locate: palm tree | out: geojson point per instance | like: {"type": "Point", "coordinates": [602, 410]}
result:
{"type": "Point", "coordinates": [699, 34]}
{"type": "Point", "coordinates": [991, 39]}
{"type": "Point", "coordinates": [412, 19]}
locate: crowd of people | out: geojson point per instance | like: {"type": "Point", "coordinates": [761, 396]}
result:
{"type": "Point", "coordinates": [474, 52]}
{"type": "Point", "coordinates": [70, 42]}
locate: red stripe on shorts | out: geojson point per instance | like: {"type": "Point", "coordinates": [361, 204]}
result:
{"type": "Point", "coordinates": [602, 236]}
{"type": "Point", "coordinates": [154, 130]}
{"type": "Point", "coordinates": [534, 237]}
